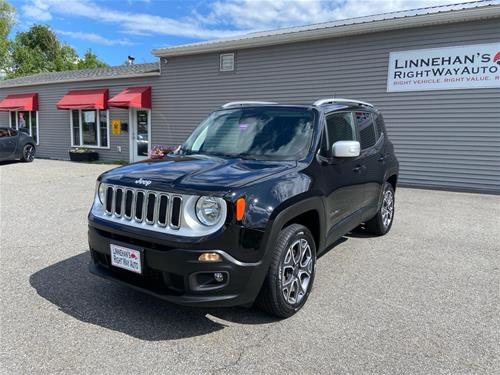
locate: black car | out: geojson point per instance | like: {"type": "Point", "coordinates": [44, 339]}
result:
{"type": "Point", "coordinates": [15, 144]}
{"type": "Point", "coordinates": [241, 212]}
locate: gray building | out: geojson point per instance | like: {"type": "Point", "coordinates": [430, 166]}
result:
{"type": "Point", "coordinates": [433, 72]}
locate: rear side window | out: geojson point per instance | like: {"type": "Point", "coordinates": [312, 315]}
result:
{"type": "Point", "coordinates": [367, 135]}
{"type": "Point", "coordinates": [340, 127]}
{"type": "Point", "coordinates": [4, 133]}
{"type": "Point", "coordinates": [379, 124]}
{"type": "Point", "coordinates": [13, 132]}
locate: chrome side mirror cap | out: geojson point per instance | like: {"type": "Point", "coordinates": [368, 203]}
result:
{"type": "Point", "coordinates": [346, 149]}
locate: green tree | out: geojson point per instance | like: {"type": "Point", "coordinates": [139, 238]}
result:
{"type": "Point", "coordinates": [39, 50]}
{"type": "Point", "coordinates": [90, 61]}
{"type": "Point", "coordinates": [7, 16]}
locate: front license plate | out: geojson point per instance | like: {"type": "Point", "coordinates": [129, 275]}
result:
{"type": "Point", "coordinates": [128, 259]}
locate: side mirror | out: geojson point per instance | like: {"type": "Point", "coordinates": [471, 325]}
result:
{"type": "Point", "coordinates": [346, 149]}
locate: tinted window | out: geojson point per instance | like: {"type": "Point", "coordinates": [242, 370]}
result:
{"type": "Point", "coordinates": [367, 134]}
{"type": "Point", "coordinates": [379, 124]}
{"type": "Point", "coordinates": [263, 133]}
{"type": "Point", "coordinates": [13, 132]}
{"type": "Point", "coordinates": [340, 127]}
{"type": "Point", "coordinates": [4, 133]}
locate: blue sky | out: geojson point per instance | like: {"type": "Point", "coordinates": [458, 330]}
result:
{"type": "Point", "coordinates": [114, 29]}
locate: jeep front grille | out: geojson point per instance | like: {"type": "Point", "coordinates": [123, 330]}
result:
{"type": "Point", "coordinates": [139, 205]}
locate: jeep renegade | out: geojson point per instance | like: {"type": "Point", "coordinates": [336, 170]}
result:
{"type": "Point", "coordinates": [242, 210]}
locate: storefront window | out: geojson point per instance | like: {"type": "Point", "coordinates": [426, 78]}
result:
{"type": "Point", "coordinates": [25, 121]}
{"type": "Point", "coordinates": [103, 126]}
{"type": "Point", "coordinates": [87, 130]}
{"type": "Point", "coordinates": [75, 119]}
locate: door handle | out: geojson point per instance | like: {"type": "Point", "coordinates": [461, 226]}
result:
{"type": "Point", "coordinates": [381, 158]}
{"type": "Point", "coordinates": [357, 169]}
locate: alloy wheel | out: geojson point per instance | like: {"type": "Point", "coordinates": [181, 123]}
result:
{"type": "Point", "coordinates": [29, 153]}
{"type": "Point", "coordinates": [387, 208]}
{"type": "Point", "coordinates": [297, 268]}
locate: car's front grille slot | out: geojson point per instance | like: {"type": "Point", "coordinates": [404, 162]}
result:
{"type": "Point", "coordinates": [139, 205]}
{"type": "Point", "coordinates": [175, 219]}
{"type": "Point", "coordinates": [142, 206]}
{"type": "Point", "coordinates": [162, 210]}
{"type": "Point", "coordinates": [109, 200]}
{"type": "Point", "coordinates": [118, 201]}
{"type": "Point", "coordinates": [129, 201]}
{"type": "Point", "coordinates": [150, 208]}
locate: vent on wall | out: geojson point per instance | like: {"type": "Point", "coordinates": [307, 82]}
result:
{"type": "Point", "coordinates": [226, 62]}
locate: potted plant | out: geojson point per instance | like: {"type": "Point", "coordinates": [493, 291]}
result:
{"type": "Point", "coordinates": [83, 154]}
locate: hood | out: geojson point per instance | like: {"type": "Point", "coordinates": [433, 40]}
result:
{"type": "Point", "coordinates": [195, 172]}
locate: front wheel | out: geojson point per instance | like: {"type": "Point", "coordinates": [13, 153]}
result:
{"type": "Point", "coordinates": [291, 273]}
{"type": "Point", "coordinates": [28, 153]}
{"type": "Point", "coordinates": [381, 223]}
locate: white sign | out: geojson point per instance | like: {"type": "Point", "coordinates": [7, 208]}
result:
{"type": "Point", "coordinates": [461, 67]}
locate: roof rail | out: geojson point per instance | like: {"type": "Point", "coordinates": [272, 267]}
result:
{"type": "Point", "coordinates": [242, 103]}
{"type": "Point", "coordinates": [341, 101]}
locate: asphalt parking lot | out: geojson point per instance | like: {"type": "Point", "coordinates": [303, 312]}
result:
{"type": "Point", "coordinates": [423, 299]}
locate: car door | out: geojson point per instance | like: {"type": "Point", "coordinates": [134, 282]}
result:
{"type": "Point", "coordinates": [7, 144]}
{"type": "Point", "coordinates": [344, 187]}
{"type": "Point", "coordinates": [372, 157]}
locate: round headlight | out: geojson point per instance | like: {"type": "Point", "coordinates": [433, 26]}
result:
{"type": "Point", "coordinates": [208, 210]}
{"type": "Point", "coordinates": [101, 192]}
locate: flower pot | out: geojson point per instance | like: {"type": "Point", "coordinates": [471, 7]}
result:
{"type": "Point", "coordinates": [87, 156]}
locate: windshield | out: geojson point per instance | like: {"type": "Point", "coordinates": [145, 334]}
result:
{"type": "Point", "coordinates": [255, 133]}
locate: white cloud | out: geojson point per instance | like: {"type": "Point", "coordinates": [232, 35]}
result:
{"type": "Point", "coordinates": [37, 10]}
{"type": "Point", "coordinates": [259, 15]}
{"type": "Point", "coordinates": [94, 38]}
{"type": "Point", "coordinates": [223, 18]}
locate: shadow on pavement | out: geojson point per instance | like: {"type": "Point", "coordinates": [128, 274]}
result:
{"type": "Point", "coordinates": [7, 162]}
{"type": "Point", "coordinates": [359, 232]}
{"type": "Point", "coordinates": [90, 299]}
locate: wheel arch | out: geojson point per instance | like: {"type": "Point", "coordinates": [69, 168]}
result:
{"type": "Point", "coordinates": [393, 180]}
{"type": "Point", "coordinates": [309, 213]}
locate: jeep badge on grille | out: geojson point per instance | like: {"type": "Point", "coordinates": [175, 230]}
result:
{"type": "Point", "coordinates": [141, 181]}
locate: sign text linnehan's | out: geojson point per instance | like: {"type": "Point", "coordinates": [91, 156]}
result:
{"type": "Point", "coordinates": [461, 67]}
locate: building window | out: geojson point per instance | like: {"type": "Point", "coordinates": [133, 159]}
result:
{"type": "Point", "coordinates": [89, 128]}
{"type": "Point", "coordinates": [227, 62]}
{"type": "Point", "coordinates": [26, 121]}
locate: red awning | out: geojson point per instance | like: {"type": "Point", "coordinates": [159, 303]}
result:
{"type": "Point", "coordinates": [20, 102]}
{"type": "Point", "coordinates": [84, 99]}
{"type": "Point", "coordinates": [137, 97]}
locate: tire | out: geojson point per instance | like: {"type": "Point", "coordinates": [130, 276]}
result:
{"type": "Point", "coordinates": [28, 154]}
{"type": "Point", "coordinates": [290, 278]}
{"type": "Point", "coordinates": [381, 223]}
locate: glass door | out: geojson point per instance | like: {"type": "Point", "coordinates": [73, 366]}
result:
{"type": "Point", "coordinates": [141, 134]}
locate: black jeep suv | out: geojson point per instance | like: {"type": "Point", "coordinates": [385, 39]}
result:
{"type": "Point", "coordinates": [241, 211]}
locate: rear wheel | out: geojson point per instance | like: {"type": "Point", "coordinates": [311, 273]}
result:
{"type": "Point", "coordinates": [381, 223]}
{"type": "Point", "coordinates": [291, 273]}
{"type": "Point", "coordinates": [28, 153]}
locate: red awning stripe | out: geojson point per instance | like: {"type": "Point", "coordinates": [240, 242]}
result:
{"type": "Point", "coordinates": [84, 99]}
{"type": "Point", "coordinates": [20, 102]}
{"type": "Point", "coordinates": [136, 97]}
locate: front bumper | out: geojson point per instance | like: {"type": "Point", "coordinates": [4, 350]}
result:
{"type": "Point", "coordinates": [172, 271]}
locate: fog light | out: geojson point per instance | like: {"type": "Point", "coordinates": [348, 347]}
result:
{"type": "Point", "coordinates": [210, 257]}
{"type": "Point", "coordinates": [219, 277]}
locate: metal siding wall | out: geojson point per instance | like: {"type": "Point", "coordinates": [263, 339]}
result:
{"type": "Point", "coordinates": [55, 133]}
{"type": "Point", "coordinates": [445, 139]}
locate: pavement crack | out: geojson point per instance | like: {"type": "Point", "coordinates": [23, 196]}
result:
{"type": "Point", "coordinates": [242, 352]}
